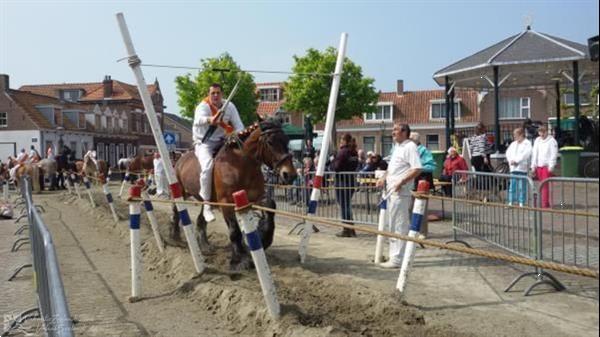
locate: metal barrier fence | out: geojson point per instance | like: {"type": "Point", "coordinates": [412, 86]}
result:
{"type": "Point", "coordinates": [348, 196]}
{"type": "Point", "coordinates": [52, 303]}
{"type": "Point", "coordinates": [570, 239]}
{"type": "Point", "coordinates": [506, 211]}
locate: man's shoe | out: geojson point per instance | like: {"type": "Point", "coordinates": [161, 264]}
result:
{"type": "Point", "coordinates": [389, 265]}
{"type": "Point", "coordinates": [346, 233]}
{"type": "Point", "coordinates": [209, 216]}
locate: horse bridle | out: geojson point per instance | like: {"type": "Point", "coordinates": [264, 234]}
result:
{"type": "Point", "coordinates": [275, 166]}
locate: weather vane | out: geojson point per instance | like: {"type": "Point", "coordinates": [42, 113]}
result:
{"type": "Point", "coordinates": [528, 19]}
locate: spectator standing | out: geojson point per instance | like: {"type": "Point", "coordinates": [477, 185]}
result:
{"type": "Point", "coordinates": [346, 160]}
{"type": "Point", "coordinates": [362, 160]}
{"type": "Point", "coordinates": [160, 177]}
{"type": "Point", "coordinates": [34, 155]}
{"type": "Point", "coordinates": [309, 149]}
{"type": "Point", "coordinates": [404, 167]}
{"type": "Point", "coordinates": [427, 163]}
{"type": "Point", "coordinates": [480, 150]}
{"type": "Point", "coordinates": [543, 160]}
{"type": "Point", "coordinates": [454, 162]}
{"type": "Point", "coordinates": [50, 153]}
{"type": "Point", "coordinates": [518, 155]}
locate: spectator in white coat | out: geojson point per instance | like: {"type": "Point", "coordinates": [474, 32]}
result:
{"type": "Point", "coordinates": [518, 156]}
{"type": "Point", "coordinates": [543, 160]}
{"type": "Point", "coordinates": [160, 176]}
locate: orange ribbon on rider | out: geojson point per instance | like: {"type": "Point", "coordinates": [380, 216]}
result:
{"type": "Point", "coordinates": [214, 111]}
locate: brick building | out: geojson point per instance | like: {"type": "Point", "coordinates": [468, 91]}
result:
{"type": "Point", "coordinates": [182, 129]}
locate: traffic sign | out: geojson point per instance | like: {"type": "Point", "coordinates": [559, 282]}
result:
{"type": "Point", "coordinates": [169, 138]}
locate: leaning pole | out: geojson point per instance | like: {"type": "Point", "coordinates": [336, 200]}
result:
{"type": "Point", "coordinates": [330, 119]}
{"type": "Point", "coordinates": [135, 62]}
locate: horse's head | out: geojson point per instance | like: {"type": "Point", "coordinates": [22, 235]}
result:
{"type": "Point", "coordinates": [272, 149]}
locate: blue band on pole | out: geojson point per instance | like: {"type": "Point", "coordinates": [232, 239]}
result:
{"type": "Point", "coordinates": [312, 207]}
{"type": "Point", "coordinates": [184, 216]}
{"type": "Point", "coordinates": [109, 198]}
{"type": "Point", "coordinates": [87, 184]}
{"type": "Point", "coordinates": [134, 221]}
{"type": "Point", "coordinates": [253, 240]}
{"type": "Point", "coordinates": [148, 205]}
{"type": "Point", "coordinates": [383, 204]}
{"type": "Point", "coordinates": [417, 220]}
{"type": "Point", "coordinates": [126, 177]}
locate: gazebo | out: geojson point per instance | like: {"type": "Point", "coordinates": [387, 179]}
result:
{"type": "Point", "coordinates": [527, 60]}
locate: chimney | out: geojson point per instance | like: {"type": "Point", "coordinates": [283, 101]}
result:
{"type": "Point", "coordinates": [108, 86]}
{"type": "Point", "coordinates": [4, 82]}
{"type": "Point", "coordinates": [400, 87]}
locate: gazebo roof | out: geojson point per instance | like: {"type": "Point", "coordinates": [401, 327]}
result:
{"type": "Point", "coordinates": [531, 58]}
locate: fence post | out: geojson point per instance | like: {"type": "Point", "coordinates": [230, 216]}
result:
{"type": "Point", "coordinates": [109, 198]}
{"type": "Point", "coordinates": [153, 223]}
{"type": "Point", "coordinates": [248, 221]}
{"type": "Point", "coordinates": [417, 219]}
{"type": "Point", "coordinates": [87, 184]}
{"type": "Point", "coordinates": [135, 191]}
{"type": "Point", "coordinates": [125, 180]}
{"type": "Point", "coordinates": [381, 227]}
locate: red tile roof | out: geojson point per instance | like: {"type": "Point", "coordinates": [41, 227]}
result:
{"type": "Point", "coordinates": [268, 109]}
{"type": "Point", "coordinates": [28, 102]}
{"type": "Point", "coordinates": [413, 106]}
{"type": "Point", "coordinates": [92, 91]}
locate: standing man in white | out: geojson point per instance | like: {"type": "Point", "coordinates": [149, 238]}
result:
{"type": "Point", "coordinates": [206, 115]}
{"type": "Point", "coordinates": [160, 176]}
{"type": "Point", "coordinates": [404, 167]}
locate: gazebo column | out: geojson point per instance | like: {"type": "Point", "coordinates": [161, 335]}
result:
{"type": "Point", "coordinates": [447, 93]}
{"type": "Point", "coordinates": [496, 109]}
{"type": "Point", "coordinates": [452, 113]}
{"type": "Point", "coordinates": [576, 99]}
{"type": "Point", "coordinates": [557, 130]}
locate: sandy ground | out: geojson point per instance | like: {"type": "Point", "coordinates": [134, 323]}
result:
{"type": "Point", "coordinates": [338, 292]}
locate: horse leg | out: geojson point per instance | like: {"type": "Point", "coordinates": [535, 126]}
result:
{"type": "Point", "coordinates": [175, 229]}
{"type": "Point", "coordinates": [240, 258]}
{"type": "Point", "coordinates": [266, 224]}
{"type": "Point", "coordinates": [205, 246]}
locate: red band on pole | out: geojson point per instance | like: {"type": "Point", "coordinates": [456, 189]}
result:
{"type": "Point", "coordinates": [318, 182]}
{"type": "Point", "coordinates": [240, 198]}
{"type": "Point", "coordinates": [140, 182]}
{"type": "Point", "coordinates": [175, 190]}
{"type": "Point", "coordinates": [135, 191]}
{"type": "Point", "coordinates": [423, 186]}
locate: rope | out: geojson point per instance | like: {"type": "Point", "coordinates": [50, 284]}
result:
{"type": "Point", "coordinates": [496, 256]}
{"type": "Point", "coordinates": [241, 70]}
{"type": "Point", "coordinates": [322, 188]}
{"type": "Point", "coordinates": [186, 202]}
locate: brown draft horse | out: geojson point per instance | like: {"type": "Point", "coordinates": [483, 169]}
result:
{"type": "Point", "coordinates": [239, 168]}
{"type": "Point", "coordinates": [32, 170]}
{"type": "Point", "coordinates": [92, 169]}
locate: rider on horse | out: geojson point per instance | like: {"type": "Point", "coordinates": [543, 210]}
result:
{"type": "Point", "coordinates": [207, 114]}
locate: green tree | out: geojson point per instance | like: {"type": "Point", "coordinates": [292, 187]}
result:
{"type": "Point", "coordinates": [310, 94]}
{"type": "Point", "coordinates": [191, 90]}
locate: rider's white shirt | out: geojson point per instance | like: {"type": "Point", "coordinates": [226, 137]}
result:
{"type": "Point", "coordinates": [21, 156]}
{"type": "Point", "coordinates": [203, 113]}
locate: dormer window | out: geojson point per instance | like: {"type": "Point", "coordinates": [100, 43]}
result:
{"type": "Point", "coordinates": [437, 109]}
{"type": "Point", "coordinates": [70, 95]}
{"type": "Point", "coordinates": [270, 94]}
{"type": "Point", "coordinates": [384, 112]}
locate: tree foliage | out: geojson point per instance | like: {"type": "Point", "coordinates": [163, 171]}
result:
{"type": "Point", "coordinates": [191, 90]}
{"type": "Point", "coordinates": [310, 94]}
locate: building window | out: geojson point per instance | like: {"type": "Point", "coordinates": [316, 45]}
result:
{"type": "Point", "coordinates": [369, 144]}
{"type": "Point", "coordinates": [100, 151]}
{"type": "Point", "coordinates": [584, 98]}
{"type": "Point", "coordinates": [383, 112]}
{"type": "Point", "coordinates": [3, 119]}
{"type": "Point", "coordinates": [129, 151]}
{"type": "Point", "coordinates": [81, 121]}
{"type": "Point", "coordinates": [285, 117]}
{"type": "Point", "coordinates": [70, 95]}
{"type": "Point", "coordinates": [98, 122]}
{"type": "Point", "coordinates": [73, 146]}
{"type": "Point", "coordinates": [84, 148]}
{"type": "Point", "coordinates": [438, 110]}
{"type": "Point", "coordinates": [269, 95]}
{"type": "Point", "coordinates": [388, 145]}
{"type": "Point", "coordinates": [515, 107]}
{"type": "Point", "coordinates": [48, 113]}
{"type": "Point", "coordinates": [432, 142]}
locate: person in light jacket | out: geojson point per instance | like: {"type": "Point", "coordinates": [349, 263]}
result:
{"type": "Point", "coordinates": [518, 156]}
{"type": "Point", "coordinates": [543, 160]}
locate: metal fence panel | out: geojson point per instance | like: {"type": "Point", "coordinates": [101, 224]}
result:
{"type": "Point", "coordinates": [570, 238]}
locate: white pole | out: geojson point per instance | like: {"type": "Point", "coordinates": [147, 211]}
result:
{"type": "Point", "coordinates": [381, 225]}
{"type": "Point", "coordinates": [109, 199]}
{"type": "Point", "coordinates": [330, 120]}
{"type": "Point", "coordinates": [136, 251]}
{"type": "Point", "coordinates": [153, 223]}
{"type": "Point", "coordinates": [248, 221]}
{"type": "Point", "coordinates": [75, 185]}
{"type": "Point", "coordinates": [87, 184]}
{"type": "Point", "coordinates": [417, 219]}
{"type": "Point", "coordinates": [176, 193]}
{"type": "Point", "coordinates": [67, 182]}
{"type": "Point", "coordinates": [125, 180]}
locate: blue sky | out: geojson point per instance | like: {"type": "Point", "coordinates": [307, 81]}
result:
{"type": "Point", "coordinates": [79, 41]}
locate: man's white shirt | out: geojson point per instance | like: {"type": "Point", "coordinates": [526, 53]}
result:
{"type": "Point", "coordinates": [201, 120]}
{"type": "Point", "coordinates": [404, 158]}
